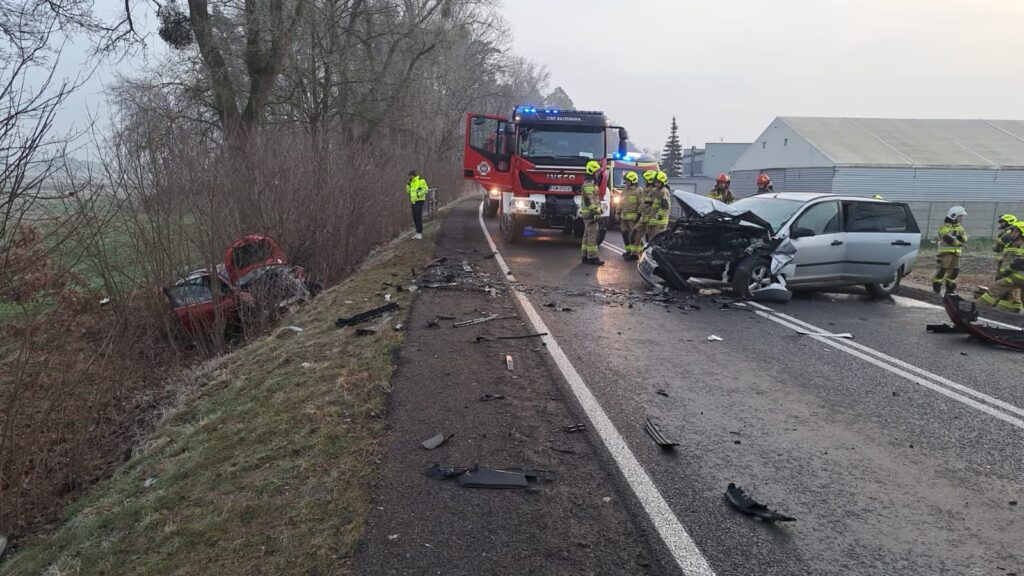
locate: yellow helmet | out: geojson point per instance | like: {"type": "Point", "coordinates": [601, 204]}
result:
{"type": "Point", "coordinates": [631, 177]}
{"type": "Point", "coordinates": [592, 167]}
{"type": "Point", "coordinates": [1019, 225]}
{"type": "Point", "coordinates": [649, 176]}
{"type": "Point", "coordinates": [662, 177]}
{"type": "Point", "coordinates": [1008, 220]}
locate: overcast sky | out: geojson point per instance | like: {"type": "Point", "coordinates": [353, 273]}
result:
{"type": "Point", "coordinates": [726, 68]}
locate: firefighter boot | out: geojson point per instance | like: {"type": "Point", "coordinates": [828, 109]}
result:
{"type": "Point", "coordinates": [951, 289]}
{"type": "Point", "coordinates": [937, 287]}
{"type": "Point", "coordinates": [595, 261]}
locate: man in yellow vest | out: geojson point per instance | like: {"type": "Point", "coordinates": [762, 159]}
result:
{"type": "Point", "coordinates": [416, 188]}
{"type": "Point", "coordinates": [1005, 294]}
{"type": "Point", "coordinates": [951, 240]}
{"type": "Point", "coordinates": [646, 198]}
{"type": "Point", "coordinates": [629, 216]}
{"type": "Point", "coordinates": [721, 191]}
{"type": "Point", "coordinates": [591, 212]}
{"type": "Point", "coordinates": [657, 215]}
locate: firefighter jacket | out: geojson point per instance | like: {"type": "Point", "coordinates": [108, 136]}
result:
{"type": "Point", "coordinates": [629, 209]}
{"type": "Point", "coordinates": [951, 238]}
{"type": "Point", "coordinates": [721, 195]}
{"type": "Point", "coordinates": [646, 201]}
{"type": "Point", "coordinates": [660, 206]}
{"type": "Point", "coordinates": [416, 189]}
{"type": "Point", "coordinates": [590, 201]}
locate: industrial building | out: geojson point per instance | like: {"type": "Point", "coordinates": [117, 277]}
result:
{"type": "Point", "coordinates": [931, 164]}
{"type": "Point", "coordinates": [702, 165]}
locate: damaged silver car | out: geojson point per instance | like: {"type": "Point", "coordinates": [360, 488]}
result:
{"type": "Point", "coordinates": [769, 244]}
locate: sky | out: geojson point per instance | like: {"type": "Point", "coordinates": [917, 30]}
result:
{"type": "Point", "coordinates": [726, 68]}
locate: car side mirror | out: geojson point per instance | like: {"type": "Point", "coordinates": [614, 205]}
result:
{"type": "Point", "coordinates": [800, 233]}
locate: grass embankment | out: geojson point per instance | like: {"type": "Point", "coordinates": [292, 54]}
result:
{"type": "Point", "coordinates": [266, 463]}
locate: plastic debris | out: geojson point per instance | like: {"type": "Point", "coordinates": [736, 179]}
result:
{"type": "Point", "coordinates": [105, 301]}
{"type": "Point", "coordinates": [475, 321]}
{"type": "Point", "coordinates": [489, 397]}
{"type": "Point", "coordinates": [537, 335]}
{"type": "Point", "coordinates": [661, 392]}
{"type": "Point", "coordinates": [655, 433]}
{"type": "Point", "coordinates": [367, 315]}
{"type": "Point", "coordinates": [492, 479]}
{"type": "Point", "coordinates": [438, 472]}
{"type": "Point", "coordinates": [714, 338]}
{"type": "Point", "coordinates": [747, 505]}
{"type": "Point", "coordinates": [435, 441]}
{"type": "Point", "coordinates": [825, 334]}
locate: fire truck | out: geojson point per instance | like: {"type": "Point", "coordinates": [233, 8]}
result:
{"type": "Point", "coordinates": [531, 166]}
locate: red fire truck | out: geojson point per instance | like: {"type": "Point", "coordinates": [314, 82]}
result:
{"type": "Point", "coordinates": [531, 165]}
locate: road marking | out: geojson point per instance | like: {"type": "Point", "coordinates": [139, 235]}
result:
{"type": "Point", "coordinates": [613, 247]}
{"type": "Point", "coordinates": [671, 530]}
{"type": "Point", "coordinates": [983, 402]}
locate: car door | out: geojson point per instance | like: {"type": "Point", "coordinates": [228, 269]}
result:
{"type": "Point", "coordinates": [881, 237]}
{"type": "Point", "coordinates": [821, 249]}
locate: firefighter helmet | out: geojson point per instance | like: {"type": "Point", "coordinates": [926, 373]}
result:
{"type": "Point", "coordinates": [956, 212]}
{"type": "Point", "coordinates": [1007, 220]}
{"type": "Point", "coordinates": [631, 177]}
{"type": "Point", "coordinates": [592, 167]}
{"type": "Point", "coordinates": [763, 181]}
{"type": "Point", "coordinates": [649, 176]}
{"type": "Point", "coordinates": [662, 177]}
{"type": "Point", "coordinates": [878, 197]}
{"type": "Point", "coordinates": [723, 178]}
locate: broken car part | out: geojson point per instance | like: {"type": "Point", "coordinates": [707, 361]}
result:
{"type": "Point", "coordinates": [474, 321]}
{"type": "Point", "coordinates": [435, 441]}
{"type": "Point", "coordinates": [368, 315]}
{"type": "Point", "coordinates": [943, 329]}
{"type": "Point", "coordinates": [655, 433]}
{"type": "Point", "coordinates": [747, 505]}
{"type": "Point", "coordinates": [376, 327]}
{"type": "Point", "coordinates": [489, 397]}
{"type": "Point", "coordinates": [537, 335]}
{"type": "Point", "coordinates": [846, 335]}
{"type": "Point", "coordinates": [965, 315]}
{"type": "Point", "coordinates": [492, 479]}
{"type": "Point", "coordinates": [438, 472]}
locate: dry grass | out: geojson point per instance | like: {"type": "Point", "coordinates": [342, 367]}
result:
{"type": "Point", "coordinates": [977, 265]}
{"type": "Point", "coordinates": [263, 467]}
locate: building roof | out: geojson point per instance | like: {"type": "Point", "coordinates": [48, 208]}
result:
{"type": "Point", "coordinates": [914, 143]}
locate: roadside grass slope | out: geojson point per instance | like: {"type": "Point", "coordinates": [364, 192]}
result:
{"type": "Point", "coordinates": [265, 463]}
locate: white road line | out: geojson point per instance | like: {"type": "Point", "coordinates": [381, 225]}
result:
{"type": "Point", "coordinates": [613, 247]}
{"type": "Point", "coordinates": [903, 369]}
{"type": "Point", "coordinates": [671, 530]}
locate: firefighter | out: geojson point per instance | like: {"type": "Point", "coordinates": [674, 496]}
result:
{"type": "Point", "coordinates": [721, 191]}
{"type": "Point", "coordinates": [591, 212]}
{"type": "Point", "coordinates": [1004, 238]}
{"type": "Point", "coordinates": [764, 184]}
{"type": "Point", "coordinates": [644, 211]}
{"type": "Point", "coordinates": [657, 213]}
{"type": "Point", "coordinates": [1005, 294]}
{"type": "Point", "coordinates": [951, 239]}
{"type": "Point", "coordinates": [416, 188]}
{"type": "Point", "coordinates": [629, 215]}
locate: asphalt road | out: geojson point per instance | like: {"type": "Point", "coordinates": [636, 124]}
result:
{"type": "Point", "coordinates": [899, 452]}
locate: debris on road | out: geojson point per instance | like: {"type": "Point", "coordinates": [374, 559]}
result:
{"type": "Point", "coordinates": [775, 293]}
{"type": "Point", "coordinates": [747, 505]}
{"type": "Point", "coordinates": [561, 450]}
{"type": "Point", "coordinates": [537, 335]}
{"type": "Point", "coordinates": [655, 433]}
{"type": "Point", "coordinates": [489, 397]}
{"type": "Point", "coordinates": [466, 267]}
{"type": "Point", "coordinates": [433, 323]}
{"type": "Point", "coordinates": [374, 328]}
{"type": "Point", "coordinates": [714, 338]}
{"type": "Point", "coordinates": [943, 329]}
{"type": "Point", "coordinates": [492, 479]}
{"type": "Point", "coordinates": [474, 321]}
{"type": "Point", "coordinates": [435, 441]}
{"type": "Point", "coordinates": [965, 316]}
{"type": "Point", "coordinates": [367, 315]}
{"type": "Point", "coordinates": [438, 472]}
{"type": "Point", "coordinates": [846, 335]}
{"type": "Point", "coordinates": [574, 428]}
{"type": "Point", "coordinates": [661, 392]}
{"type": "Point", "coordinates": [709, 292]}
{"type": "Point", "coordinates": [558, 307]}
{"type": "Point", "coordinates": [508, 361]}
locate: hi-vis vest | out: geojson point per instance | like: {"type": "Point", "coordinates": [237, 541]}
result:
{"type": "Point", "coordinates": [417, 189]}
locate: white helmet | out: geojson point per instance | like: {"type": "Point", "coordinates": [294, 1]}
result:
{"type": "Point", "coordinates": [956, 212]}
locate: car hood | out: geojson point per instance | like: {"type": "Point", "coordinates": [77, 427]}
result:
{"type": "Point", "coordinates": [707, 208]}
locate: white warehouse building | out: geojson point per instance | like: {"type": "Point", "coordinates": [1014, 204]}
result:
{"type": "Point", "coordinates": [930, 164]}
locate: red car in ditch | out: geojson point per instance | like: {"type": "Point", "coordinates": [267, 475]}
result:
{"type": "Point", "coordinates": [255, 280]}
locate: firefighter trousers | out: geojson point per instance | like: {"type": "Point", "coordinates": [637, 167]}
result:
{"type": "Point", "coordinates": [1005, 295]}
{"type": "Point", "coordinates": [591, 231]}
{"type": "Point", "coordinates": [630, 236]}
{"type": "Point", "coordinates": [948, 268]}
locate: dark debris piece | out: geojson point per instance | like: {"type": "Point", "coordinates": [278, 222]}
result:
{"type": "Point", "coordinates": [438, 472]}
{"type": "Point", "coordinates": [574, 428]}
{"type": "Point", "coordinates": [368, 315]}
{"type": "Point", "coordinates": [661, 392]}
{"type": "Point", "coordinates": [489, 397]}
{"type": "Point", "coordinates": [655, 433]}
{"type": "Point", "coordinates": [492, 479]}
{"type": "Point", "coordinates": [943, 329]}
{"type": "Point", "coordinates": [747, 505]}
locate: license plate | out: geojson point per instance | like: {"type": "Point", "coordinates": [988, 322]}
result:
{"type": "Point", "coordinates": [646, 267]}
{"type": "Point", "coordinates": [560, 188]}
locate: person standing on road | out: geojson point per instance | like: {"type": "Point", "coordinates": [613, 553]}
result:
{"type": "Point", "coordinates": [764, 184]}
{"type": "Point", "coordinates": [951, 240]}
{"type": "Point", "coordinates": [417, 188]}
{"type": "Point", "coordinates": [721, 191]}
{"type": "Point", "coordinates": [644, 210]}
{"type": "Point", "coordinates": [1006, 293]}
{"type": "Point", "coordinates": [1006, 223]}
{"type": "Point", "coordinates": [657, 215]}
{"type": "Point", "coordinates": [629, 215]}
{"type": "Point", "coordinates": [591, 212]}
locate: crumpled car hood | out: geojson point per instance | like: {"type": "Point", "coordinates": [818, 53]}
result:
{"type": "Point", "coordinates": [708, 208]}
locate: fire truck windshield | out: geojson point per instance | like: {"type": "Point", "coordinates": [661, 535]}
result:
{"type": "Point", "coordinates": [560, 145]}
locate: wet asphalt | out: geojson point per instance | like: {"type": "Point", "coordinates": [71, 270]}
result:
{"type": "Point", "coordinates": [885, 475]}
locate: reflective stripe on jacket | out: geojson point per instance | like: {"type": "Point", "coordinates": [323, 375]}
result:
{"type": "Point", "coordinates": [590, 201]}
{"type": "Point", "coordinates": [660, 206]}
{"type": "Point", "coordinates": [416, 189]}
{"type": "Point", "coordinates": [630, 206]}
{"type": "Point", "coordinates": [951, 238]}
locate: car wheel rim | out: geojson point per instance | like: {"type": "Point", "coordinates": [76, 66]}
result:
{"type": "Point", "coordinates": [759, 278]}
{"type": "Point", "coordinates": [887, 286]}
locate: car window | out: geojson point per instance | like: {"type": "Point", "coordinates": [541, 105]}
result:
{"type": "Point", "coordinates": [189, 294]}
{"type": "Point", "coordinates": [822, 218]}
{"type": "Point", "coordinates": [892, 217]}
{"type": "Point", "coordinates": [861, 217]}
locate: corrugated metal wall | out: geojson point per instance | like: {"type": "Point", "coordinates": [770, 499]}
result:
{"type": "Point", "coordinates": [808, 180]}
{"type": "Point", "coordinates": [932, 184]}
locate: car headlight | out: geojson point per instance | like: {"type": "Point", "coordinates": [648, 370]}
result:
{"type": "Point", "coordinates": [493, 193]}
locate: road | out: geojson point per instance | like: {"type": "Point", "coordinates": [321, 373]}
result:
{"type": "Point", "coordinates": [899, 452]}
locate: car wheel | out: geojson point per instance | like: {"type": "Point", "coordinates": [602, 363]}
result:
{"type": "Point", "coordinates": [886, 288]}
{"type": "Point", "coordinates": [751, 274]}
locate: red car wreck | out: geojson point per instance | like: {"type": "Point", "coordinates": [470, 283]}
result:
{"type": "Point", "coordinates": [255, 282]}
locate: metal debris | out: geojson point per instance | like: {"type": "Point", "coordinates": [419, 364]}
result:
{"type": "Point", "coordinates": [368, 315]}
{"type": "Point", "coordinates": [655, 433]}
{"type": "Point", "coordinates": [825, 334]}
{"type": "Point", "coordinates": [747, 505]}
{"type": "Point", "coordinates": [435, 441]}
{"type": "Point", "coordinates": [475, 321]}
{"type": "Point", "coordinates": [537, 335]}
{"type": "Point", "coordinates": [492, 479]}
